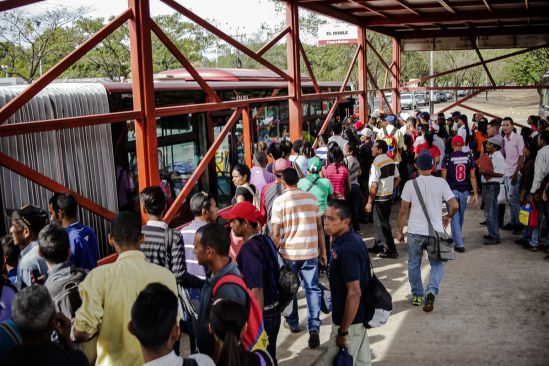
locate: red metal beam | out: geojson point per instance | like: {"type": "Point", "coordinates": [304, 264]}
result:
{"type": "Point", "coordinates": [327, 120]}
{"type": "Point", "coordinates": [33, 89]}
{"type": "Point", "coordinates": [446, 6]}
{"type": "Point", "coordinates": [362, 75]}
{"type": "Point", "coordinates": [12, 4]}
{"type": "Point", "coordinates": [211, 107]}
{"type": "Point", "coordinates": [424, 78]}
{"type": "Point", "coordinates": [374, 83]}
{"type": "Point", "coordinates": [463, 16]}
{"type": "Point", "coordinates": [247, 127]}
{"type": "Point", "coordinates": [349, 71]}
{"type": "Point", "coordinates": [48, 183]}
{"type": "Point", "coordinates": [146, 142]}
{"type": "Point", "coordinates": [405, 6]}
{"type": "Point", "coordinates": [379, 57]}
{"type": "Point", "coordinates": [482, 88]}
{"type": "Point", "coordinates": [460, 101]}
{"type": "Point", "coordinates": [204, 24]}
{"type": "Point", "coordinates": [333, 12]}
{"type": "Point", "coordinates": [467, 32]}
{"type": "Point", "coordinates": [328, 95]}
{"type": "Point", "coordinates": [274, 41]}
{"type": "Point", "coordinates": [13, 129]}
{"type": "Point", "coordinates": [487, 5]}
{"type": "Point", "coordinates": [193, 179]}
{"type": "Point", "coordinates": [479, 111]}
{"type": "Point", "coordinates": [395, 80]}
{"type": "Point", "coordinates": [295, 105]}
{"type": "Point", "coordinates": [183, 60]}
{"type": "Point", "coordinates": [308, 66]}
{"type": "Point", "coordinates": [483, 63]}
{"type": "Point", "coordinates": [371, 10]}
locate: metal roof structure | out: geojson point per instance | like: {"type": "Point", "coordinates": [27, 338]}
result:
{"type": "Point", "coordinates": [491, 23]}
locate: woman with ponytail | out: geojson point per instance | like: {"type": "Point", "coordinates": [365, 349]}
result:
{"type": "Point", "coordinates": [227, 323]}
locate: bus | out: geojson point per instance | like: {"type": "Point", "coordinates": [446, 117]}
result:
{"type": "Point", "coordinates": [100, 161]}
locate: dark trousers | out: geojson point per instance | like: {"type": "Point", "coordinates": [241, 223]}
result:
{"type": "Point", "coordinates": [382, 214]}
{"type": "Point", "coordinates": [355, 202]}
{"type": "Point", "coordinates": [271, 322]}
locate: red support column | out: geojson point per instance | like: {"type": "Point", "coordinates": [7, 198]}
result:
{"type": "Point", "coordinates": [395, 77]}
{"type": "Point", "coordinates": [143, 94]}
{"type": "Point", "coordinates": [362, 76]}
{"type": "Point", "coordinates": [295, 106]}
{"type": "Point", "coordinates": [247, 126]}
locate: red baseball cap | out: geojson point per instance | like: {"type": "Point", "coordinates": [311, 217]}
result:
{"type": "Point", "coordinates": [242, 210]}
{"type": "Point", "coordinates": [359, 125]}
{"type": "Point", "coordinates": [458, 141]}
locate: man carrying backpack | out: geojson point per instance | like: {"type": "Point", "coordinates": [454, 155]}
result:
{"type": "Point", "coordinates": [211, 246]}
{"type": "Point", "coordinates": [63, 276]}
{"type": "Point", "coordinates": [258, 263]}
{"type": "Point", "coordinates": [389, 133]}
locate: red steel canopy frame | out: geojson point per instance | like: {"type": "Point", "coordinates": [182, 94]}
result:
{"type": "Point", "coordinates": [397, 18]}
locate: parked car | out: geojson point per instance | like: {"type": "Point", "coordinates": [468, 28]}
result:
{"type": "Point", "coordinates": [421, 99]}
{"type": "Point", "coordinates": [449, 95]}
{"type": "Point", "coordinates": [440, 97]}
{"type": "Point", "coordinates": [462, 93]}
{"type": "Point", "coordinates": [407, 101]}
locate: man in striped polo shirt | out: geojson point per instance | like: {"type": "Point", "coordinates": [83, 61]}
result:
{"type": "Point", "coordinates": [384, 177]}
{"type": "Point", "coordinates": [298, 233]}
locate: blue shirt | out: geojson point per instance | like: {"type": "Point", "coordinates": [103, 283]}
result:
{"type": "Point", "coordinates": [30, 261]}
{"type": "Point", "coordinates": [350, 262]}
{"type": "Point", "coordinates": [256, 262]}
{"type": "Point", "coordinates": [84, 246]}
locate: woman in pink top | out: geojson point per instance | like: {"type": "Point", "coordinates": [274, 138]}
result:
{"type": "Point", "coordinates": [337, 172]}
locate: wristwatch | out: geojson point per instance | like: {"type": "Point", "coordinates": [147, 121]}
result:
{"type": "Point", "coordinates": [342, 334]}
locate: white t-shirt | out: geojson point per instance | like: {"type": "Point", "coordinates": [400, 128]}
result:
{"type": "Point", "coordinates": [338, 139]}
{"type": "Point", "coordinates": [434, 190]}
{"type": "Point", "coordinates": [439, 142]}
{"type": "Point", "coordinates": [463, 133]}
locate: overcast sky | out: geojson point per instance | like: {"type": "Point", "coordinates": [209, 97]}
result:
{"type": "Point", "coordinates": [242, 16]}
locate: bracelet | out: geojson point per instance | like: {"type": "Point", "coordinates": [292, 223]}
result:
{"type": "Point", "coordinates": [342, 334]}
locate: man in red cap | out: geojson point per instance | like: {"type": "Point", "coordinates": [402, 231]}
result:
{"type": "Point", "coordinates": [459, 170]}
{"type": "Point", "coordinates": [257, 264]}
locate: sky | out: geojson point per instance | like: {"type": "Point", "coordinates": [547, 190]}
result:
{"type": "Point", "coordinates": [234, 16]}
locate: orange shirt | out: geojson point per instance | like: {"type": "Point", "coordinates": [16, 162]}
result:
{"type": "Point", "coordinates": [479, 139]}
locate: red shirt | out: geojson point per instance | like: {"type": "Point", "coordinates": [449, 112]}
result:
{"type": "Point", "coordinates": [338, 176]}
{"type": "Point", "coordinates": [435, 153]}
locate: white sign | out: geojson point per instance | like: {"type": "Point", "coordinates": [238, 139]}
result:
{"type": "Point", "coordinates": [329, 34]}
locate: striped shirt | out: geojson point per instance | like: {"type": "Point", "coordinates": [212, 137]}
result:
{"type": "Point", "coordinates": [188, 233]}
{"type": "Point", "coordinates": [337, 174]}
{"type": "Point", "coordinates": [296, 212]}
{"type": "Point", "coordinates": [154, 248]}
{"type": "Point", "coordinates": [268, 195]}
{"type": "Point", "coordinates": [383, 172]}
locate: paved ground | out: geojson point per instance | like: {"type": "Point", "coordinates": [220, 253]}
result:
{"type": "Point", "coordinates": [492, 310]}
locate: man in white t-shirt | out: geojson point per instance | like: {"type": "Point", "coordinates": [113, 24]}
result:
{"type": "Point", "coordinates": [434, 190]}
{"type": "Point", "coordinates": [336, 137]}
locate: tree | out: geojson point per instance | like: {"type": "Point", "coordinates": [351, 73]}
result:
{"type": "Point", "coordinates": [31, 43]}
{"type": "Point", "coordinates": [528, 68]}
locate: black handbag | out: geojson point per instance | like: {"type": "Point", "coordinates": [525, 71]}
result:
{"type": "Point", "coordinates": [378, 302]}
{"type": "Point", "coordinates": [440, 246]}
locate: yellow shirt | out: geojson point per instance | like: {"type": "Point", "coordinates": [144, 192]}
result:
{"type": "Point", "coordinates": [108, 293]}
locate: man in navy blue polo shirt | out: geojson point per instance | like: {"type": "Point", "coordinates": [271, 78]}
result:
{"type": "Point", "coordinates": [349, 276]}
{"type": "Point", "coordinates": [257, 263]}
{"type": "Point", "coordinates": [84, 246]}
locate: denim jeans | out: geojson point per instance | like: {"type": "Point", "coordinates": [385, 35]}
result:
{"type": "Point", "coordinates": [535, 235]}
{"type": "Point", "coordinates": [513, 197]}
{"type": "Point", "coordinates": [271, 322]}
{"type": "Point", "coordinates": [307, 270]}
{"type": "Point", "coordinates": [490, 193]}
{"type": "Point", "coordinates": [415, 247]}
{"type": "Point", "coordinates": [457, 221]}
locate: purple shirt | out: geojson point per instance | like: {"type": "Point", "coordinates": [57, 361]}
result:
{"type": "Point", "coordinates": [260, 177]}
{"type": "Point", "coordinates": [512, 146]}
{"type": "Point", "coordinates": [459, 166]}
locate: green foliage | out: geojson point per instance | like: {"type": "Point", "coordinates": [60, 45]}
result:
{"type": "Point", "coordinates": [527, 69]}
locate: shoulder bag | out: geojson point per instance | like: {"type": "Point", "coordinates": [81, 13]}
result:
{"type": "Point", "coordinates": [440, 246]}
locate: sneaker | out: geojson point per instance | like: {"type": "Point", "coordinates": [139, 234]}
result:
{"type": "Point", "coordinates": [508, 227]}
{"type": "Point", "coordinates": [429, 303]}
{"type": "Point", "coordinates": [521, 242]}
{"type": "Point", "coordinates": [492, 241]}
{"type": "Point", "coordinates": [483, 223]}
{"type": "Point", "coordinates": [531, 248]}
{"type": "Point", "coordinates": [417, 300]}
{"type": "Point", "coordinates": [376, 249]}
{"type": "Point", "coordinates": [460, 249]}
{"type": "Point", "coordinates": [314, 339]}
{"type": "Point", "coordinates": [295, 329]}
{"type": "Point", "coordinates": [388, 255]}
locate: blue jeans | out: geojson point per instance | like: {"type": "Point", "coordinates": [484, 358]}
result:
{"type": "Point", "coordinates": [490, 193]}
{"type": "Point", "coordinates": [513, 197]}
{"type": "Point", "coordinates": [457, 221]}
{"type": "Point", "coordinates": [534, 235]}
{"type": "Point", "coordinates": [271, 323]}
{"type": "Point", "coordinates": [307, 270]}
{"type": "Point", "coordinates": [415, 246]}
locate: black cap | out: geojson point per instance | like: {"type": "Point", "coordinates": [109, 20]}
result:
{"type": "Point", "coordinates": [456, 114]}
{"type": "Point", "coordinates": [33, 217]}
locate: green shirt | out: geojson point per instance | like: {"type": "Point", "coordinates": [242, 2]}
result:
{"type": "Point", "coordinates": [321, 189]}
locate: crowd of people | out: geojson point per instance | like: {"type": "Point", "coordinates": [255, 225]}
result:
{"type": "Point", "coordinates": [299, 206]}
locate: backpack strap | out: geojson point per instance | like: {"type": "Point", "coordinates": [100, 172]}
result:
{"type": "Point", "coordinates": [168, 244]}
{"type": "Point", "coordinates": [11, 332]}
{"type": "Point", "coordinates": [228, 278]}
{"type": "Point", "coordinates": [423, 207]}
{"type": "Point", "coordinates": [313, 183]}
{"type": "Point", "coordinates": [385, 131]}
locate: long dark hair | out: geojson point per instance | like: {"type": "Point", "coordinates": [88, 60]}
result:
{"type": "Point", "coordinates": [429, 138]}
{"type": "Point", "coordinates": [335, 156]}
{"type": "Point", "coordinates": [227, 318]}
{"type": "Point", "coordinates": [463, 118]}
{"type": "Point", "coordinates": [307, 149]}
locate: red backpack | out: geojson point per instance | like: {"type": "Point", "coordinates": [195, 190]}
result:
{"type": "Point", "coordinates": [254, 337]}
{"type": "Point", "coordinates": [392, 145]}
